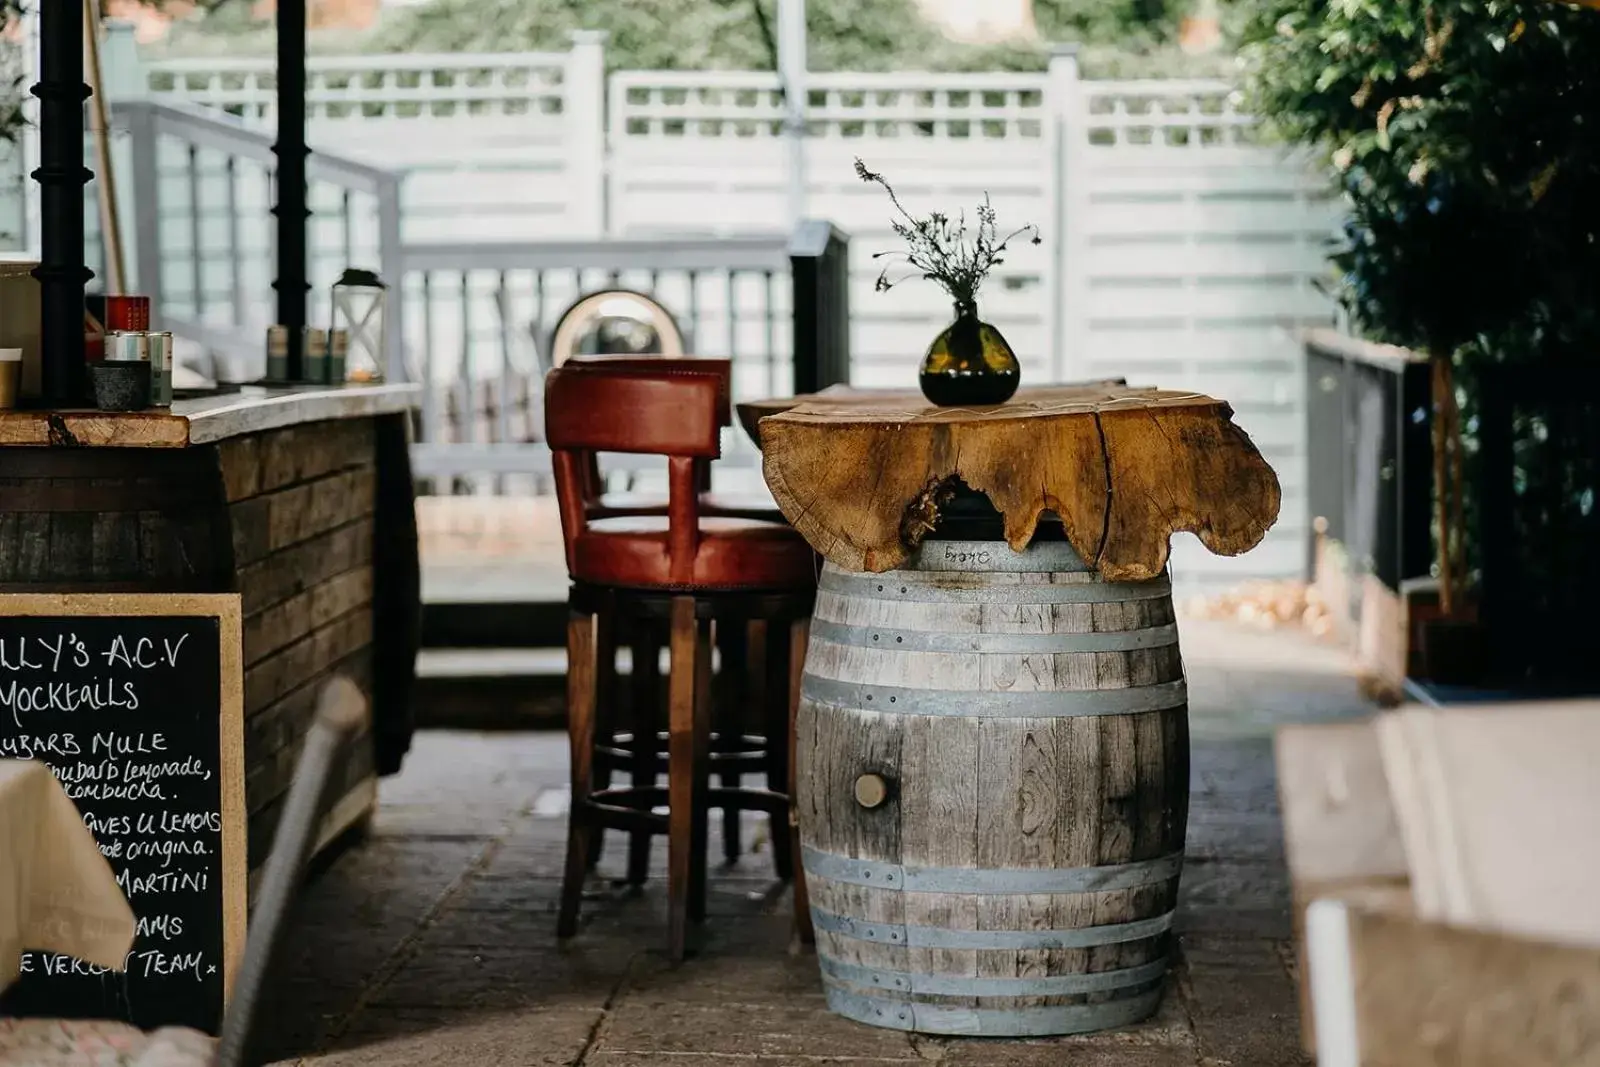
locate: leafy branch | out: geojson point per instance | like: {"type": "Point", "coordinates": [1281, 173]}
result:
{"type": "Point", "coordinates": [13, 79]}
{"type": "Point", "coordinates": [938, 249]}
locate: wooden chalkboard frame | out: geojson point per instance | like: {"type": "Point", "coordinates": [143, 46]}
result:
{"type": "Point", "coordinates": [225, 608]}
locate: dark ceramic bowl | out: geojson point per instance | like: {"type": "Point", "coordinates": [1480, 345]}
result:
{"type": "Point", "coordinates": [120, 384]}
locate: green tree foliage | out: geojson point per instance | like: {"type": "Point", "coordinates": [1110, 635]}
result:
{"type": "Point", "coordinates": [865, 35]}
{"type": "Point", "coordinates": [668, 34]}
{"type": "Point", "coordinates": [1462, 132]}
{"type": "Point", "coordinates": [12, 90]}
{"type": "Point", "coordinates": [1134, 24]}
{"type": "Point", "coordinates": [1463, 135]}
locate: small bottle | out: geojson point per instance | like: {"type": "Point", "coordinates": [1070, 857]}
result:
{"type": "Point", "coordinates": [277, 353]}
{"type": "Point", "coordinates": [314, 356]}
{"type": "Point", "coordinates": [338, 347]}
{"type": "Point", "coordinates": [159, 346]}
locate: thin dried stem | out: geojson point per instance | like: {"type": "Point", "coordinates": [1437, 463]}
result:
{"type": "Point", "coordinates": [937, 247]}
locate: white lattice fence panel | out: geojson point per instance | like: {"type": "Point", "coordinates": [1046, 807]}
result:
{"type": "Point", "coordinates": [495, 147]}
{"type": "Point", "coordinates": [1193, 265]}
{"type": "Point", "coordinates": [705, 153]}
{"type": "Point", "coordinates": [1165, 114]}
{"type": "Point", "coordinates": [372, 87]}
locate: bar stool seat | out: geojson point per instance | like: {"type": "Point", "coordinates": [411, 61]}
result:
{"type": "Point", "coordinates": [742, 506]}
{"type": "Point", "coordinates": [718, 504]}
{"type": "Point", "coordinates": [634, 552]}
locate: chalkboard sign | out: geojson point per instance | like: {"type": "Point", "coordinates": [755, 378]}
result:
{"type": "Point", "coordinates": [134, 702]}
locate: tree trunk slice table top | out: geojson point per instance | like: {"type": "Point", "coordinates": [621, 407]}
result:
{"type": "Point", "coordinates": [863, 475]}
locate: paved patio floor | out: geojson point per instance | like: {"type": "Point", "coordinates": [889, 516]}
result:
{"type": "Point", "coordinates": [432, 941]}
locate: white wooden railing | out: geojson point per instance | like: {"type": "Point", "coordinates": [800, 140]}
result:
{"type": "Point", "coordinates": [203, 236]}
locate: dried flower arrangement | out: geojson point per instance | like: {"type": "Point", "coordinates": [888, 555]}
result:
{"type": "Point", "coordinates": [937, 246]}
{"type": "Point", "coordinates": [970, 362]}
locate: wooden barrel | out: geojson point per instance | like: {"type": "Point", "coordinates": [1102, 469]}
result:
{"type": "Point", "coordinates": [993, 758]}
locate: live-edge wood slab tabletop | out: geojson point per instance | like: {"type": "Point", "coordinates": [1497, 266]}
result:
{"type": "Point", "coordinates": [862, 474]}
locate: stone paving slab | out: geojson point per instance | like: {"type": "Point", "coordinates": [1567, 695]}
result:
{"type": "Point", "coordinates": [425, 1038]}
{"type": "Point", "coordinates": [432, 941]}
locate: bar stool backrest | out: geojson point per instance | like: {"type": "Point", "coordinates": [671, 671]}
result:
{"type": "Point", "coordinates": [594, 485]}
{"type": "Point", "coordinates": [664, 411]}
{"type": "Point", "coordinates": [651, 364]}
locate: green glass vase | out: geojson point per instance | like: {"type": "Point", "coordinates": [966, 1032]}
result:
{"type": "Point", "coordinates": [969, 364]}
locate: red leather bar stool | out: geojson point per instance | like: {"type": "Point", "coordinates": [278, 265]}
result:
{"type": "Point", "coordinates": [690, 571]}
{"type": "Point", "coordinates": [736, 752]}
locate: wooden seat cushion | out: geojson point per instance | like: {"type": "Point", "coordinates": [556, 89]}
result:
{"type": "Point", "coordinates": [99, 1043]}
{"type": "Point", "coordinates": [732, 554]}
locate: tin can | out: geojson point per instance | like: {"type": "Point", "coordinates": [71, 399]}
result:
{"type": "Point", "coordinates": [314, 355]}
{"type": "Point", "coordinates": [277, 353]}
{"type": "Point", "coordinates": [128, 345]}
{"type": "Point", "coordinates": [338, 347]}
{"type": "Point", "coordinates": [128, 313]}
{"type": "Point", "coordinates": [159, 346]}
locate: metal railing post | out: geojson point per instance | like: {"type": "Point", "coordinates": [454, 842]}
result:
{"type": "Point", "coordinates": [819, 257]}
{"type": "Point", "coordinates": [61, 176]}
{"type": "Point", "coordinates": [292, 207]}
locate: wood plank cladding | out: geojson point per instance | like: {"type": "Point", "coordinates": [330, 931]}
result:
{"type": "Point", "coordinates": [264, 524]}
{"type": "Point", "coordinates": [286, 517]}
{"type": "Point", "coordinates": [298, 568]}
{"type": "Point", "coordinates": [264, 463]}
{"type": "Point", "coordinates": [283, 623]}
{"type": "Point", "coordinates": [132, 521]}
{"type": "Point", "coordinates": [300, 504]}
{"type": "Point", "coordinates": [277, 725]}
{"type": "Point", "coordinates": [307, 657]}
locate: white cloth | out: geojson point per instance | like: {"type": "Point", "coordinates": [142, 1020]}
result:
{"type": "Point", "coordinates": [97, 1043]}
{"type": "Point", "coordinates": [57, 892]}
{"type": "Point", "coordinates": [1498, 809]}
{"type": "Point", "coordinates": [1338, 822]}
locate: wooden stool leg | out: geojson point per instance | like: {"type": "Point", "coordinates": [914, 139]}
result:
{"type": "Point", "coordinates": [646, 702]}
{"type": "Point", "coordinates": [688, 731]}
{"type": "Point", "coordinates": [605, 710]}
{"type": "Point", "coordinates": [729, 715]}
{"type": "Point", "coordinates": [704, 638]}
{"type": "Point", "coordinates": [581, 669]}
{"type": "Point", "coordinates": [799, 638]}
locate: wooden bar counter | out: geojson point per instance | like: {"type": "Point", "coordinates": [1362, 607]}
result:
{"type": "Point", "coordinates": [299, 499]}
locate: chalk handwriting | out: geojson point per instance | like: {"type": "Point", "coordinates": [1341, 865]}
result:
{"type": "Point", "coordinates": [131, 777]}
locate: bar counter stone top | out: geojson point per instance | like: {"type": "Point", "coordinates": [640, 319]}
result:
{"type": "Point", "coordinates": [203, 420]}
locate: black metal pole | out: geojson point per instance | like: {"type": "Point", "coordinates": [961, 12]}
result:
{"type": "Point", "coordinates": [61, 176]}
{"type": "Point", "coordinates": [291, 210]}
